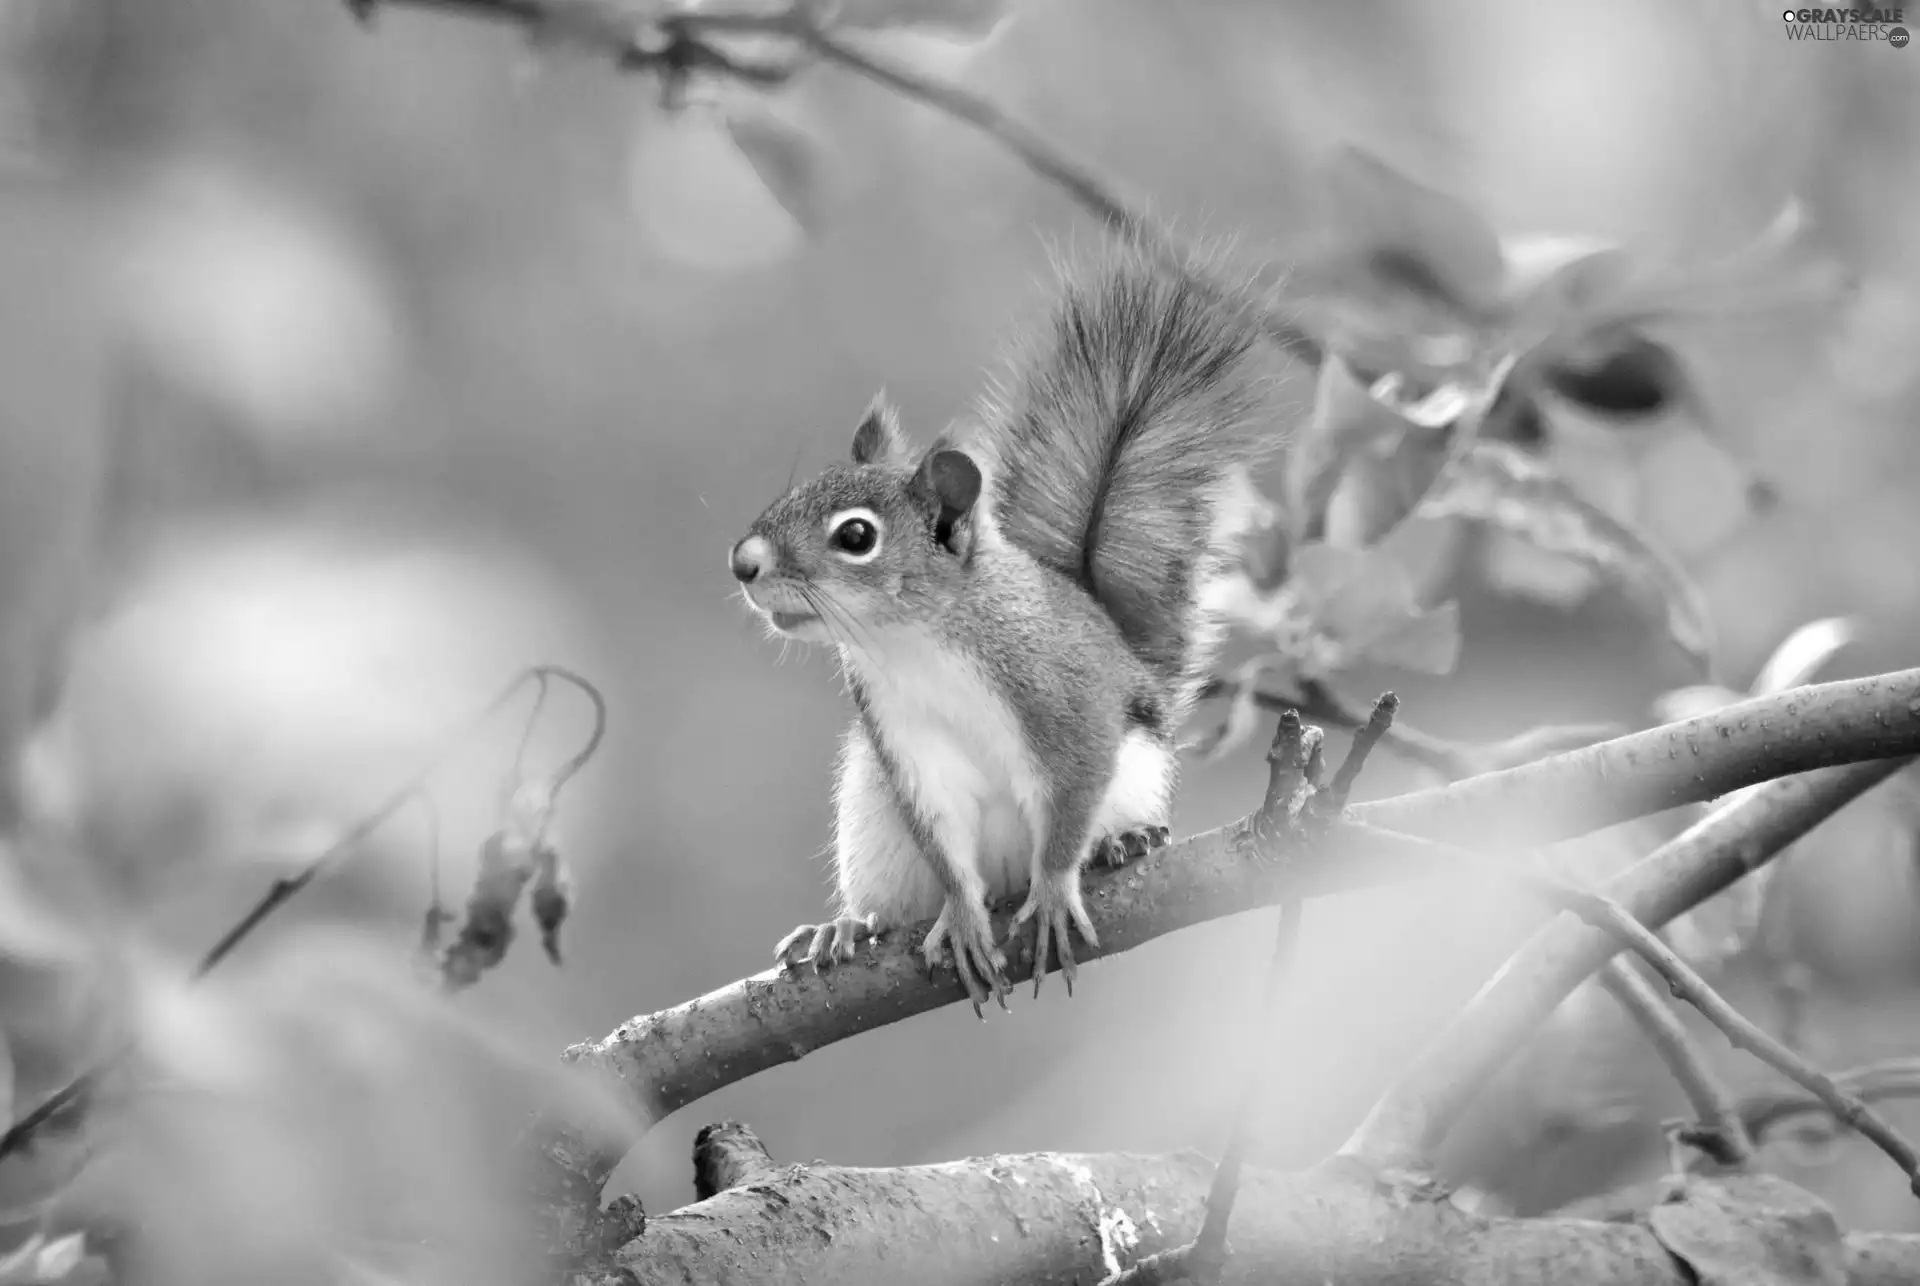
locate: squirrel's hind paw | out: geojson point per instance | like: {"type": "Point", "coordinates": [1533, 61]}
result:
{"type": "Point", "coordinates": [826, 943]}
{"type": "Point", "coordinates": [1056, 908]}
{"type": "Point", "coordinates": [964, 934]}
{"type": "Point", "coordinates": [1119, 849]}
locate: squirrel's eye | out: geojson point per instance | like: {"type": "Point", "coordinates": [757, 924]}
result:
{"type": "Point", "coordinates": [855, 536]}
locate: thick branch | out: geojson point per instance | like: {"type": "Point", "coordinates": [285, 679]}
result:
{"type": "Point", "coordinates": [663, 1061]}
{"type": "Point", "coordinates": [1050, 1218]}
{"type": "Point", "coordinates": [1410, 1122]}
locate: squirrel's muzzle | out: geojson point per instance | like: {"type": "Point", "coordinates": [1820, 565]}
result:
{"type": "Point", "coordinates": [750, 558]}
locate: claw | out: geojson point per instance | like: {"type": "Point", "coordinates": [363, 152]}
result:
{"type": "Point", "coordinates": [969, 944]}
{"type": "Point", "coordinates": [829, 943]}
{"type": "Point", "coordinates": [1055, 907]}
{"type": "Point", "coordinates": [1129, 845]}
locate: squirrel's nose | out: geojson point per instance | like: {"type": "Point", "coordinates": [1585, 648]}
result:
{"type": "Point", "coordinates": [750, 557]}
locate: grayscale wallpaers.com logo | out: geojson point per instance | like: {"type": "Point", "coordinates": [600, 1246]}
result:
{"type": "Point", "coordinates": [1847, 24]}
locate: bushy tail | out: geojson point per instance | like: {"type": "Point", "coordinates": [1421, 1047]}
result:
{"type": "Point", "coordinates": [1117, 447]}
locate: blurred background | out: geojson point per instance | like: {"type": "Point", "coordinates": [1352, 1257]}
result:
{"type": "Point", "coordinates": [343, 372]}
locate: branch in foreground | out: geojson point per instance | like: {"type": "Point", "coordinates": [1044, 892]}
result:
{"type": "Point", "coordinates": [1054, 1219]}
{"type": "Point", "coordinates": [1610, 917]}
{"type": "Point", "coordinates": [660, 1062]}
{"type": "Point", "coordinates": [1406, 1126]}
{"type": "Point", "coordinates": [1721, 1134]}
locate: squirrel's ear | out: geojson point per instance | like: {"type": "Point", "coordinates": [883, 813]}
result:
{"type": "Point", "coordinates": [878, 440]}
{"type": "Point", "coordinates": [950, 481]}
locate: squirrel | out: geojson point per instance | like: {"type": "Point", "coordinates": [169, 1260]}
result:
{"type": "Point", "coordinates": [1019, 613]}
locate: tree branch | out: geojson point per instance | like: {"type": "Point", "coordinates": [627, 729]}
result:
{"type": "Point", "coordinates": [1451, 759]}
{"type": "Point", "coordinates": [1052, 1219]}
{"type": "Point", "coordinates": [1689, 762]}
{"type": "Point", "coordinates": [641, 35]}
{"type": "Point", "coordinates": [660, 1062]}
{"type": "Point", "coordinates": [1407, 1125]}
{"type": "Point", "coordinates": [1722, 1135]}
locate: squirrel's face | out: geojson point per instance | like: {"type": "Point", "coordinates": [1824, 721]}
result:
{"type": "Point", "coordinates": [863, 546]}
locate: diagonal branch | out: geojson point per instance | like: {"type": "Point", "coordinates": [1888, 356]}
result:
{"type": "Point", "coordinates": [1407, 1125]}
{"type": "Point", "coordinates": [1721, 1134]}
{"type": "Point", "coordinates": [1609, 916]}
{"type": "Point", "coordinates": [1689, 762]}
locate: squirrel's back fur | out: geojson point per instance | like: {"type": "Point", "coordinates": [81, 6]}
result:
{"type": "Point", "coordinates": [1118, 446]}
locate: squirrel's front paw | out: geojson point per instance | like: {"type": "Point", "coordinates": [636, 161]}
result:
{"type": "Point", "coordinates": [1118, 850]}
{"type": "Point", "coordinates": [1055, 907]}
{"type": "Point", "coordinates": [826, 943]}
{"type": "Point", "coordinates": [964, 932]}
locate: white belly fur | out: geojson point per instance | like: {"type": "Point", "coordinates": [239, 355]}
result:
{"type": "Point", "coordinates": [970, 773]}
{"type": "Point", "coordinates": [961, 758]}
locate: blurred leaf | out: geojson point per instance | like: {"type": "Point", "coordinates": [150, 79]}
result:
{"type": "Point", "coordinates": [1802, 653]}
{"type": "Point", "coordinates": [551, 898]}
{"type": "Point", "coordinates": [1265, 545]}
{"type": "Point", "coordinates": [1425, 643]}
{"type": "Point", "coordinates": [59, 1257]}
{"type": "Point", "coordinates": [1350, 605]}
{"type": "Point", "coordinates": [1383, 487]}
{"type": "Point", "coordinates": [1751, 1230]}
{"type": "Point", "coordinates": [507, 861]}
{"type": "Point", "coordinates": [1622, 375]}
{"type": "Point", "coordinates": [1371, 452]}
{"type": "Point", "coordinates": [1243, 713]}
{"type": "Point", "coordinates": [1551, 281]}
{"type": "Point", "coordinates": [28, 1263]}
{"type": "Point", "coordinates": [1751, 275]}
{"type": "Point", "coordinates": [962, 17]}
{"type": "Point", "coordinates": [1501, 486]}
{"type": "Point", "coordinates": [1346, 419]}
{"type": "Point", "coordinates": [1413, 238]}
{"type": "Point", "coordinates": [698, 197]}
{"type": "Point", "coordinates": [783, 155]}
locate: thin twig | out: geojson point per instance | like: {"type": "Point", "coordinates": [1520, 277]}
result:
{"type": "Point", "coordinates": [283, 890]}
{"type": "Point", "coordinates": [1293, 771]}
{"type": "Point", "coordinates": [1893, 1078]}
{"type": "Point", "coordinates": [1210, 1247]}
{"type": "Point", "coordinates": [1609, 916]}
{"type": "Point", "coordinates": [1723, 1135]}
{"type": "Point", "coordinates": [1452, 760]}
{"type": "Point", "coordinates": [1379, 724]}
{"type": "Point", "coordinates": [617, 31]}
